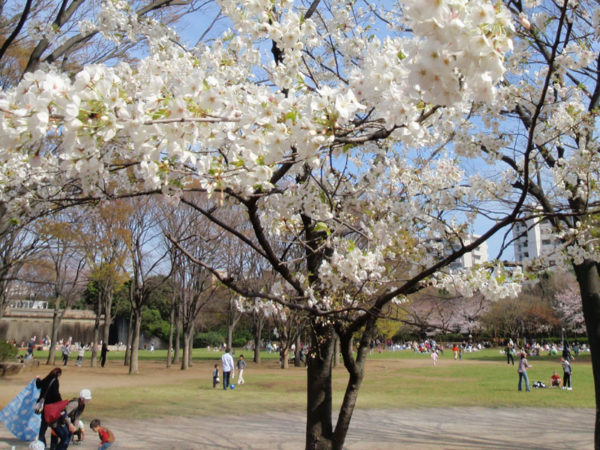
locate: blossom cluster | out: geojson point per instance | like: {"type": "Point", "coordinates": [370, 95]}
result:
{"type": "Point", "coordinates": [494, 284]}
{"type": "Point", "coordinates": [202, 118]}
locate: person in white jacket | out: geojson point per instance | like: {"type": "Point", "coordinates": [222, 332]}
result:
{"type": "Point", "coordinates": [228, 368]}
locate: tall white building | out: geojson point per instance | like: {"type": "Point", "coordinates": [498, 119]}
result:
{"type": "Point", "coordinates": [534, 239]}
{"type": "Point", "coordinates": [473, 258]}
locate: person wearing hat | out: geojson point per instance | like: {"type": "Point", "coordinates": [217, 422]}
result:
{"type": "Point", "coordinates": [69, 419]}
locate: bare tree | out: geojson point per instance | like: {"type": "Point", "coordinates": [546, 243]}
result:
{"type": "Point", "coordinates": [65, 261]}
{"type": "Point", "coordinates": [147, 255]}
{"type": "Point", "coordinates": [196, 285]}
{"type": "Point", "coordinates": [105, 240]}
{"type": "Point", "coordinates": [17, 245]}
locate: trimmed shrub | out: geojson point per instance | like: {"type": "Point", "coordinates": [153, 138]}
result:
{"type": "Point", "coordinates": [7, 351]}
{"type": "Point", "coordinates": [211, 338]}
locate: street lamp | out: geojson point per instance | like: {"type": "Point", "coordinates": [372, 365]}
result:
{"type": "Point", "coordinates": [563, 337]}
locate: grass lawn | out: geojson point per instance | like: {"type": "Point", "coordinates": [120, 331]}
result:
{"type": "Point", "coordinates": [400, 379]}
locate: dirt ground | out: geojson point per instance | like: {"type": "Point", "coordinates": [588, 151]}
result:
{"type": "Point", "coordinates": [427, 428]}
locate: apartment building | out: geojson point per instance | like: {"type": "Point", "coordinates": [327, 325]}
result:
{"type": "Point", "coordinates": [534, 239]}
{"type": "Point", "coordinates": [473, 258]}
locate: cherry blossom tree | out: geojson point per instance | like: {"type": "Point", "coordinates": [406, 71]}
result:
{"type": "Point", "coordinates": [60, 32]}
{"type": "Point", "coordinates": [542, 128]}
{"type": "Point", "coordinates": [568, 308]}
{"type": "Point", "coordinates": [340, 146]}
{"type": "Point", "coordinates": [443, 314]}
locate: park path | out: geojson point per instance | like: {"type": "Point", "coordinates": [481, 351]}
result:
{"type": "Point", "coordinates": [427, 428]}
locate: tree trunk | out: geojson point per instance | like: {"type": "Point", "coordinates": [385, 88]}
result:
{"type": "Point", "coordinates": [53, 339]}
{"type": "Point", "coordinates": [232, 320]}
{"type": "Point", "coordinates": [230, 334]}
{"type": "Point", "coordinates": [94, 360]}
{"type": "Point", "coordinates": [588, 278]}
{"type": "Point", "coordinates": [96, 337]}
{"type": "Point", "coordinates": [135, 342]}
{"type": "Point", "coordinates": [129, 339]}
{"type": "Point", "coordinates": [191, 347]}
{"type": "Point", "coordinates": [297, 352]}
{"type": "Point", "coordinates": [171, 327]}
{"type": "Point", "coordinates": [186, 349]}
{"type": "Point", "coordinates": [284, 357]}
{"type": "Point", "coordinates": [107, 316]}
{"type": "Point", "coordinates": [336, 349]}
{"type": "Point", "coordinates": [188, 341]}
{"type": "Point", "coordinates": [177, 337]}
{"type": "Point", "coordinates": [319, 430]}
{"type": "Point", "coordinates": [356, 371]}
{"type": "Point", "coordinates": [258, 326]}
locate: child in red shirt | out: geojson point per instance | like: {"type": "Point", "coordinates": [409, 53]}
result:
{"type": "Point", "coordinates": [555, 380]}
{"type": "Point", "coordinates": [106, 436]}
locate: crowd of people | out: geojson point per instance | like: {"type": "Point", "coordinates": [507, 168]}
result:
{"type": "Point", "coordinates": [65, 426]}
{"type": "Point", "coordinates": [66, 347]}
{"type": "Point", "coordinates": [567, 357]}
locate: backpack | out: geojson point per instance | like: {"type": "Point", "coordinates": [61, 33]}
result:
{"type": "Point", "coordinates": [52, 411]}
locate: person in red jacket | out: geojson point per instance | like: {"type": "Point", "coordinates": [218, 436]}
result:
{"type": "Point", "coordinates": [106, 436]}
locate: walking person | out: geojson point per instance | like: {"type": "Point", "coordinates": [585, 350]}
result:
{"type": "Point", "coordinates": [434, 357]}
{"type": "Point", "coordinates": [567, 371]}
{"type": "Point", "coordinates": [80, 355]}
{"type": "Point", "coordinates": [49, 387]}
{"type": "Point", "coordinates": [66, 351]}
{"type": "Point", "coordinates": [523, 366]}
{"type": "Point", "coordinates": [241, 365]}
{"type": "Point", "coordinates": [103, 353]}
{"type": "Point", "coordinates": [509, 354]}
{"type": "Point", "coordinates": [228, 368]}
{"type": "Point", "coordinates": [30, 347]}
{"type": "Point", "coordinates": [566, 353]}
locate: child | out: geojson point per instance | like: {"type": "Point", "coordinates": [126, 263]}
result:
{"type": "Point", "coordinates": [241, 365]}
{"type": "Point", "coordinates": [79, 433]}
{"type": "Point", "coordinates": [106, 436]}
{"type": "Point", "coordinates": [80, 355]}
{"type": "Point", "coordinates": [215, 376]}
{"type": "Point", "coordinates": [555, 380]}
{"type": "Point", "coordinates": [434, 356]}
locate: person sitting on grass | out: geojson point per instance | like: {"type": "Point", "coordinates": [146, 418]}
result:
{"type": "Point", "coordinates": [107, 438]}
{"type": "Point", "coordinates": [555, 380]}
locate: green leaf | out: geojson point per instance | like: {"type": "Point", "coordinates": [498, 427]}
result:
{"type": "Point", "coordinates": [322, 227]}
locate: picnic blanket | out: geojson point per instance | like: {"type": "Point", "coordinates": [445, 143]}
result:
{"type": "Point", "coordinates": [18, 416]}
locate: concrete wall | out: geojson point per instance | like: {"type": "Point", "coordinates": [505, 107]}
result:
{"type": "Point", "coordinates": [22, 324]}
